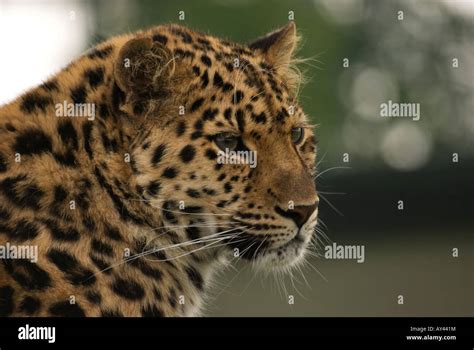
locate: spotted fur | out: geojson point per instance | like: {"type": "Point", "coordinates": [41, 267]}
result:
{"type": "Point", "coordinates": [143, 177]}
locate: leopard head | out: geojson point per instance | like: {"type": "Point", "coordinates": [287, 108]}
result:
{"type": "Point", "coordinates": [223, 148]}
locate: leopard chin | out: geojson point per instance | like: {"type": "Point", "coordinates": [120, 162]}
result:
{"type": "Point", "coordinates": [282, 256]}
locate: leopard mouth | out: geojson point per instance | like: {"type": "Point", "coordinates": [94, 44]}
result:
{"type": "Point", "coordinates": [252, 248]}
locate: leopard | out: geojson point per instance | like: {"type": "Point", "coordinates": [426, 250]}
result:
{"type": "Point", "coordinates": [126, 173]}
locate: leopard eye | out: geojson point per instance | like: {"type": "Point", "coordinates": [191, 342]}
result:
{"type": "Point", "coordinates": [297, 135]}
{"type": "Point", "coordinates": [226, 140]}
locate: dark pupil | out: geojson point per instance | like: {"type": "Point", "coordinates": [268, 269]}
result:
{"type": "Point", "coordinates": [226, 141]}
{"type": "Point", "coordinates": [296, 134]}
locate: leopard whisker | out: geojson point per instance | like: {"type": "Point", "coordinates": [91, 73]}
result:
{"type": "Point", "coordinates": [152, 251]}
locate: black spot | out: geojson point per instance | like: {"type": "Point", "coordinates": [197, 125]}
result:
{"type": "Point", "coordinates": [68, 134]}
{"type": "Point", "coordinates": [32, 141]}
{"type": "Point", "coordinates": [239, 115]}
{"type": "Point", "coordinates": [28, 275]}
{"type": "Point", "coordinates": [30, 305]}
{"type": "Point", "coordinates": [60, 194]}
{"type": "Point", "coordinates": [66, 159]}
{"type": "Point", "coordinates": [281, 115]}
{"type": "Point", "coordinates": [93, 297]}
{"type": "Point", "coordinates": [33, 101]}
{"type": "Point", "coordinates": [157, 294]}
{"type": "Point", "coordinates": [209, 191]}
{"type": "Point", "coordinates": [95, 76]}
{"type": "Point", "coordinates": [195, 277]}
{"type": "Point", "coordinates": [198, 125]}
{"type": "Point", "coordinates": [195, 135]}
{"type": "Point", "coordinates": [146, 269]}
{"type": "Point", "coordinates": [6, 301]}
{"type": "Point", "coordinates": [196, 70]}
{"type": "Point", "coordinates": [192, 209]}
{"type": "Point", "coordinates": [101, 264]}
{"type": "Point", "coordinates": [10, 127]}
{"type": "Point", "coordinates": [181, 128]}
{"type": "Point", "coordinates": [210, 114]}
{"type": "Point", "coordinates": [237, 97]}
{"type": "Point", "coordinates": [158, 154]}
{"type": "Point", "coordinates": [183, 53]}
{"type": "Point", "coordinates": [222, 204]}
{"type": "Point", "coordinates": [227, 87]}
{"type": "Point", "coordinates": [28, 196]}
{"type": "Point", "coordinates": [110, 145]}
{"type": "Point", "coordinates": [151, 311]}
{"type": "Point", "coordinates": [206, 60]}
{"type": "Point", "coordinates": [118, 97]}
{"type": "Point", "coordinates": [211, 154]}
{"type": "Point", "coordinates": [113, 233]}
{"type": "Point", "coordinates": [69, 235]}
{"type": "Point", "coordinates": [121, 208]}
{"type": "Point", "coordinates": [104, 111]}
{"type": "Point", "coordinates": [227, 187]}
{"type": "Point", "coordinates": [3, 164]}
{"type": "Point", "coordinates": [184, 35]}
{"type": "Point", "coordinates": [4, 215]}
{"type": "Point", "coordinates": [192, 232]}
{"type": "Point", "coordinates": [160, 38]}
{"type": "Point", "coordinates": [168, 208]}
{"type": "Point", "coordinates": [218, 80]}
{"type": "Point", "coordinates": [229, 67]}
{"type": "Point", "coordinates": [172, 298]}
{"type": "Point", "coordinates": [187, 153]}
{"type": "Point", "coordinates": [228, 113]}
{"type": "Point", "coordinates": [89, 223]}
{"type": "Point", "coordinates": [79, 94]}
{"type": "Point", "coordinates": [128, 289]}
{"type": "Point", "coordinates": [75, 273]}
{"type": "Point", "coordinates": [50, 86]}
{"type": "Point", "coordinates": [100, 53]}
{"type": "Point", "coordinates": [259, 118]}
{"type": "Point", "coordinates": [204, 42]}
{"type": "Point", "coordinates": [23, 231]}
{"type": "Point", "coordinates": [154, 188]}
{"type": "Point", "coordinates": [170, 173]}
{"type": "Point", "coordinates": [196, 104]}
{"type": "Point", "coordinates": [101, 247]}
{"type": "Point", "coordinates": [193, 193]}
{"type": "Point", "coordinates": [66, 309]}
{"type": "Point", "coordinates": [204, 79]}
{"type": "Point", "coordinates": [87, 133]}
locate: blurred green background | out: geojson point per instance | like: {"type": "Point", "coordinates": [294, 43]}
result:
{"type": "Point", "coordinates": [424, 57]}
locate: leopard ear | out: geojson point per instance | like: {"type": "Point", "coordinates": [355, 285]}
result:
{"type": "Point", "coordinates": [143, 65]}
{"type": "Point", "coordinates": [278, 46]}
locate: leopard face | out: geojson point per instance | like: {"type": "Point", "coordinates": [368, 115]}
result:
{"type": "Point", "coordinates": [231, 104]}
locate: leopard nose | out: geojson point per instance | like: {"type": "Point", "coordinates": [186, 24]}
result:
{"type": "Point", "coordinates": [299, 214]}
